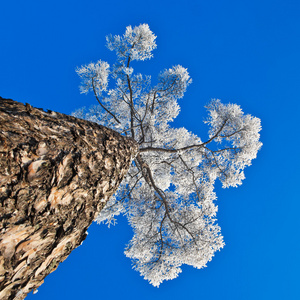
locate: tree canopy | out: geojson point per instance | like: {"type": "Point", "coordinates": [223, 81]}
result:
{"type": "Point", "coordinates": [168, 194]}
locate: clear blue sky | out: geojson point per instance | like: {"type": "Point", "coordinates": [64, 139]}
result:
{"type": "Point", "coordinates": [246, 52]}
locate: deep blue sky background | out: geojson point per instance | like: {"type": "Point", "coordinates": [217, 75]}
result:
{"type": "Point", "coordinates": [246, 52]}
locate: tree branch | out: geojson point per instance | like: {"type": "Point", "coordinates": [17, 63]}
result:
{"type": "Point", "coordinates": [147, 149]}
{"type": "Point", "coordinates": [95, 93]}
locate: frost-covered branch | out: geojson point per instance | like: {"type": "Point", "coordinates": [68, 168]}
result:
{"type": "Point", "coordinates": [168, 194]}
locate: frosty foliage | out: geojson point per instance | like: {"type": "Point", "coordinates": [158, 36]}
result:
{"type": "Point", "coordinates": [168, 195]}
{"type": "Point", "coordinates": [136, 44]}
{"type": "Point", "coordinates": [94, 77]}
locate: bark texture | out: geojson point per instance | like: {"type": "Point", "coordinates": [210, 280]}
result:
{"type": "Point", "coordinates": [56, 174]}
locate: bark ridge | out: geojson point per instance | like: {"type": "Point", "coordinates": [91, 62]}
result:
{"type": "Point", "coordinates": [56, 174]}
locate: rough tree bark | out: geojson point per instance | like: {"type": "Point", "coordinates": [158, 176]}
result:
{"type": "Point", "coordinates": [56, 174]}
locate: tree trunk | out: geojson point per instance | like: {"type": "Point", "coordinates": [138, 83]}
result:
{"type": "Point", "coordinates": [56, 174]}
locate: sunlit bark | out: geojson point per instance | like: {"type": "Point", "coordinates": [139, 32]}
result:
{"type": "Point", "coordinates": [56, 174]}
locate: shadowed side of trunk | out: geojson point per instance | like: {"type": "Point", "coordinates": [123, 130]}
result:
{"type": "Point", "coordinates": [56, 174]}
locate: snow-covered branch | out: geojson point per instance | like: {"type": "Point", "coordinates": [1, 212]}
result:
{"type": "Point", "coordinates": [168, 194]}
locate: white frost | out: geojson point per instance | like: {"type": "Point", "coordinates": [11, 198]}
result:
{"type": "Point", "coordinates": [168, 194]}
